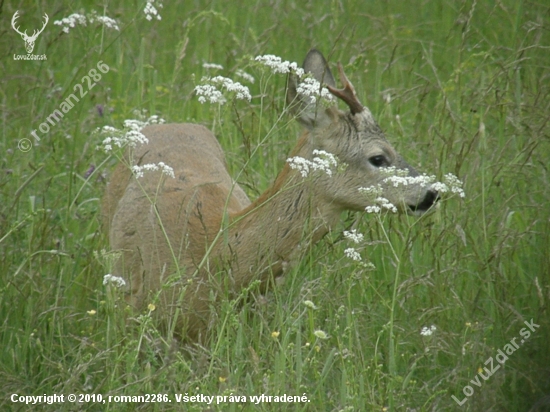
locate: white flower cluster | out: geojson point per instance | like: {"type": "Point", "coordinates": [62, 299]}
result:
{"type": "Point", "coordinates": [137, 125]}
{"type": "Point", "coordinates": [151, 11]}
{"type": "Point", "coordinates": [115, 280]}
{"type": "Point", "coordinates": [209, 92]}
{"type": "Point", "coordinates": [121, 139]}
{"type": "Point", "coordinates": [371, 191]}
{"type": "Point", "coordinates": [106, 21]}
{"type": "Point", "coordinates": [382, 203]}
{"type": "Point", "coordinates": [320, 334]}
{"type": "Point", "coordinates": [308, 86]}
{"type": "Point", "coordinates": [248, 77]}
{"type": "Point", "coordinates": [131, 134]}
{"type": "Point", "coordinates": [375, 193]}
{"type": "Point", "coordinates": [212, 66]}
{"type": "Point", "coordinates": [373, 209]}
{"type": "Point", "coordinates": [452, 183]}
{"type": "Point", "coordinates": [163, 167]}
{"type": "Point", "coordinates": [393, 171]}
{"type": "Point", "coordinates": [276, 64]}
{"type": "Point", "coordinates": [311, 88]}
{"type": "Point", "coordinates": [352, 254]}
{"type": "Point", "coordinates": [386, 204]}
{"type": "Point", "coordinates": [71, 21]}
{"type": "Point", "coordinates": [400, 177]}
{"type": "Point", "coordinates": [428, 331]}
{"type": "Point", "coordinates": [354, 236]}
{"type": "Point", "coordinates": [422, 180]}
{"type": "Point", "coordinates": [322, 161]}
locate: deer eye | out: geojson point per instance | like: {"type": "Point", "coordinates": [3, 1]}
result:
{"type": "Point", "coordinates": [378, 161]}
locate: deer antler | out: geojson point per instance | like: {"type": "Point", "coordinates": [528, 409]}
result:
{"type": "Point", "coordinates": [15, 16]}
{"type": "Point", "coordinates": [37, 32]}
{"type": "Point", "coordinates": [347, 93]}
{"type": "Point", "coordinates": [29, 40]}
{"type": "Point", "coordinates": [46, 20]}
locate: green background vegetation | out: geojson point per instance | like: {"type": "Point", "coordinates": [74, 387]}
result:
{"type": "Point", "coordinates": [469, 83]}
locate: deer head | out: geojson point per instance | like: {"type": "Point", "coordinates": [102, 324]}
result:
{"type": "Point", "coordinates": [357, 140]}
{"type": "Point", "coordinates": [29, 40]}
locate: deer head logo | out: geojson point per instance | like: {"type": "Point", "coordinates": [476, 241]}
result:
{"type": "Point", "coordinates": [29, 40]}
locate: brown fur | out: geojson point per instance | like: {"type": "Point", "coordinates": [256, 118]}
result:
{"type": "Point", "coordinates": [186, 239]}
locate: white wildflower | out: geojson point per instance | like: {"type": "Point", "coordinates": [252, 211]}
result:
{"type": "Point", "coordinates": [323, 161]}
{"type": "Point", "coordinates": [209, 92]}
{"type": "Point", "coordinates": [452, 184]}
{"type": "Point", "coordinates": [71, 21]}
{"type": "Point", "coordinates": [374, 194]}
{"type": "Point", "coordinates": [371, 191]}
{"type": "Point", "coordinates": [151, 11]}
{"type": "Point", "coordinates": [300, 164]}
{"type": "Point", "coordinates": [155, 119]}
{"type": "Point", "coordinates": [310, 304]}
{"type": "Point", "coordinates": [121, 139]}
{"type": "Point", "coordinates": [107, 22]}
{"type": "Point", "coordinates": [249, 78]}
{"type": "Point", "coordinates": [440, 187]}
{"type": "Point", "coordinates": [352, 254]}
{"type": "Point", "coordinates": [212, 66]}
{"type": "Point", "coordinates": [108, 129]}
{"type": "Point", "coordinates": [311, 88]}
{"type": "Point", "coordinates": [164, 168]}
{"type": "Point", "coordinates": [276, 64]}
{"type": "Point", "coordinates": [131, 134]}
{"type": "Point", "coordinates": [320, 334]}
{"type": "Point", "coordinates": [386, 204]}
{"type": "Point", "coordinates": [399, 177]}
{"type": "Point", "coordinates": [354, 236]}
{"type": "Point", "coordinates": [369, 266]}
{"type": "Point", "coordinates": [137, 125]}
{"type": "Point", "coordinates": [393, 171]}
{"type": "Point", "coordinates": [115, 280]}
{"type": "Point", "coordinates": [399, 180]}
{"type": "Point", "coordinates": [241, 92]}
{"type": "Point", "coordinates": [428, 331]}
{"type": "Point", "coordinates": [373, 209]}
{"type": "Point", "coordinates": [455, 183]}
{"type": "Point", "coordinates": [380, 202]}
{"type": "Point", "coordinates": [134, 124]}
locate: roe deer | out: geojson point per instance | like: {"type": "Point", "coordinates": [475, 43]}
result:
{"type": "Point", "coordinates": [184, 239]}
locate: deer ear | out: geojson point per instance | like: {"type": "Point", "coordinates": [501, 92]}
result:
{"type": "Point", "coordinates": [311, 115]}
{"type": "Point", "coordinates": [316, 64]}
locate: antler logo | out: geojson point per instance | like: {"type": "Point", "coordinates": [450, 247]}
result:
{"type": "Point", "coordinates": [29, 40]}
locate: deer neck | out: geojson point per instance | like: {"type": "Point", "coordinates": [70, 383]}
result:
{"type": "Point", "coordinates": [278, 227]}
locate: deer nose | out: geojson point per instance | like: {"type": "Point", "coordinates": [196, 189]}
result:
{"type": "Point", "coordinates": [430, 199]}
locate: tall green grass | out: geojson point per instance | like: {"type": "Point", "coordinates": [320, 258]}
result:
{"type": "Point", "coordinates": [458, 86]}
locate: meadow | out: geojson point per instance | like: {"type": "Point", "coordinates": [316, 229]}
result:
{"type": "Point", "coordinates": [434, 316]}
